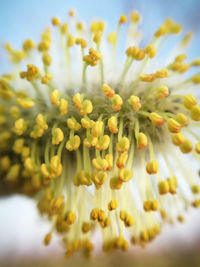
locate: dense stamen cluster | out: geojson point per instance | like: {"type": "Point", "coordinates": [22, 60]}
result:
{"type": "Point", "coordinates": [101, 157]}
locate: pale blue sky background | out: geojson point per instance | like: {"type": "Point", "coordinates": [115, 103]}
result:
{"type": "Point", "coordinates": [20, 19]}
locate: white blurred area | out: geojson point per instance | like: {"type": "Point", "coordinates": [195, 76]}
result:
{"type": "Point", "coordinates": [22, 231]}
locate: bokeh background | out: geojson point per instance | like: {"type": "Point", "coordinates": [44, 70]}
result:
{"type": "Point", "coordinates": [21, 228]}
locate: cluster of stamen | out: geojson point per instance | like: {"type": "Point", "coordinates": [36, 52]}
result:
{"type": "Point", "coordinates": [81, 150]}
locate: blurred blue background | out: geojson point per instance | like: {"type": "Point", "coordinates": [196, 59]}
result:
{"type": "Point", "coordinates": [20, 19]}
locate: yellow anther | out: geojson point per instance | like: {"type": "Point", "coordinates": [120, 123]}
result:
{"type": "Point", "coordinates": [147, 206]}
{"type": "Point", "coordinates": [73, 124]}
{"type": "Point", "coordinates": [13, 173]}
{"type": "Point", "coordinates": [81, 42]}
{"type": "Point", "coordinates": [186, 147]}
{"type": "Point", "coordinates": [87, 123]}
{"type": "Point", "coordinates": [56, 166]}
{"type": "Point", "coordinates": [55, 21]}
{"type": "Point", "coordinates": [14, 112]}
{"type": "Point", "coordinates": [135, 17]}
{"type": "Point", "coordinates": [196, 62]}
{"type": "Point", "coordinates": [173, 126]}
{"type": "Point", "coordinates": [195, 113]}
{"type": "Point", "coordinates": [32, 72]}
{"type": "Point", "coordinates": [150, 50]}
{"type": "Point", "coordinates": [196, 78]}
{"type": "Point", "coordinates": [72, 13]}
{"type": "Point", "coordinates": [154, 205]}
{"type": "Point", "coordinates": [5, 163]}
{"type": "Point", "coordinates": [109, 159]}
{"type": "Point", "coordinates": [57, 204]}
{"type": "Point", "coordinates": [172, 182]}
{"type": "Point", "coordinates": [141, 139]}
{"type": "Point", "coordinates": [97, 26]}
{"type": "Point", "coordinates": [28, 45]}
{"type": "Point", "coordinates": [196, 203]}
{"type": "Point", "coordinates": [73, 143]}
{"type": "Point", "coordinates": [163, 187]}
{"type": "Point", "coordinates": [70, 217]}
{"type": "Point", "coordinates": [55, 97]}
{"type": "Point", "coordinates": [140, 55]}
{"type": "Point", "coordinates": [116, 102]}
{"type": "Point", "coordinates": [156, 119]}
{"type": "Point", "coordinates": [112, 205]}
{"type": "Point", "coordinates": [161, 31]}
{"type": "Point", "coordinates": [80, 26]}
{"type": "Point", "coordinates": [94, 214]}
{"type": "Point", "coordinates": [134, 101]}
{"type": "Point", "coordinates": [163, 73]}
{"type": "Point", "coordinates": [78, 99]}
{"type": "Point", "coordinates": [108, 91]}
{"type": "Point", "coordinates": [163, 214]}
{"type": "Point", "coordinates": [57, 136]}
{"type": "Point", "coordinates": [112, 124]}
{"type": "Point", "coordinates": [187, 39]}
{"type": "Point", "coordinates": [29, 165]}
{"type": "Point", "coordinates": [99, 179]}
{"type": "Point", "coordinates": [100, 164]}
{"type": "Point", "coordinates": [21, 94]}
{"type": "Point", "coordinates": [70, 40]}
{"type": "Point", "coordinates": [41, 121]}
{"type": "Point", "coordinates": [182, 119]}
{"type": "Point", "coordinates": [180, 57]}
{"type": "Point", "coordinates": [25, 103]}
{"type": "Point", "coordinates": [129, 221]}
{"type": "Point", "coordinates": [197, 148]}
{"type": "Point", "coordinates": [115, 183]}
{"type": "Point", "coordinates": [152, 167]}
{"type": "Point", "coordinates": [65, 28]}
{"type": "Point", "coordinates": [178, 139]}
{"type": "Point", "coordinates": [196, 189]}
{"type": "Point", "coordinates": [82, 178]}
{"type": "Point", "coordinates": [86, 227]}
{"type": "Point", "coordinates": [46, 59]}
{"type": "Point", "coordinates": [63, 107]}
{"type": "Point", "coordinates": [86, 107]}
{"type": "Point", "coordinates": [101, 215]}
{"type": "Point", "coordinates": [5, 91]}
{"type": "Point", "coordinates": [90, 141]}
{"type": "Point", "coordinates": [122, 215]}
{"type": "Point", "coordinates": [97, 37]}
{"type": "Point", "coordinates": [97, 128]}
{"type": "Point", "coordinates": [112, 38]}
{"type": "Point", "coordinates": [47, 239]}
{"type": "Point", "coordinates": [175, 28]}
{"type": "Point", "coordinates": [44, 46]}
{"type": "Point", "coordinates": [125, 175]}
{"type": "Point", "coordinates": [121, 161]}
{"type": "Point", "coordinates": [180, 218]}
{"type": "Point", "coordinates": [46, 78]}
{"type": "Point", "coordinates": [94, 54]}
{"type": "Point", "coordinates": [25, 152]}
{"type": "Point", "coordinates": [37, 132]}
{"type": "Point", "coordinates": [20, 126]}
{"type": "Point", "coordinates": [189, 101]}
{"type": "Point", "coordinates": [18, 145]}
{"type": "Point", "coordinates": [123, 145]}
{"type": "Point", "coordinates": [147, 77]}
{"type": "Point", "coordinates": [122, 19]}
{"type": "Point", "coordinates": [103, 142]}
{"type": "Point", "coordinates": [105, 223]}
